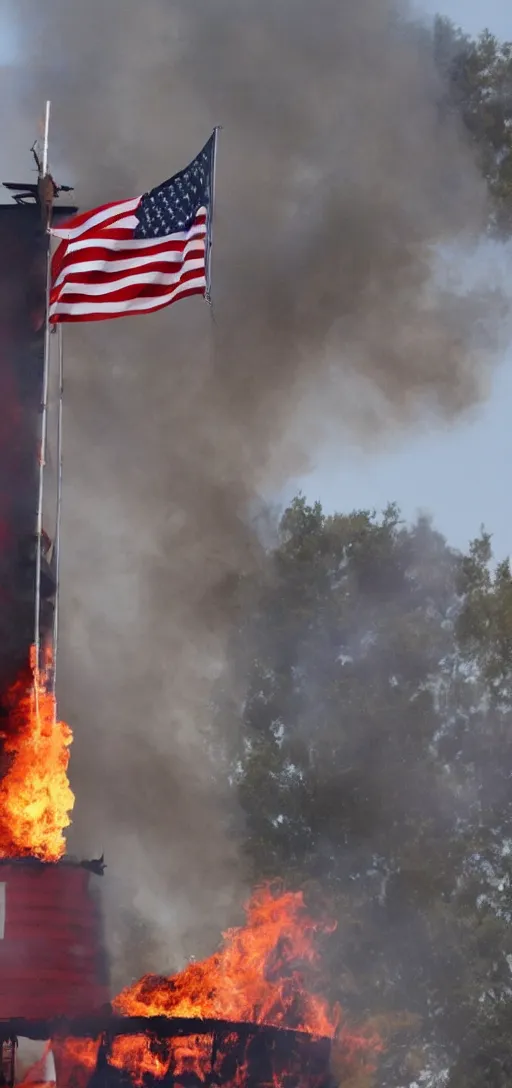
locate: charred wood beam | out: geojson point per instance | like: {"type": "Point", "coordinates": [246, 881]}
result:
{"type": "Point", "coordinates": [164, 1027]}
{"type": "Point", "coordinates": [96, 865]}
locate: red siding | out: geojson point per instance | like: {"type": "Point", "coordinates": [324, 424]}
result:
{"type": "Point", "coordinates": [51, 951]}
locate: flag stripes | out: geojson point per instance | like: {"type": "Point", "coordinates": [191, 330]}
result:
{"type": "Point", "coordinates": [101, 271]}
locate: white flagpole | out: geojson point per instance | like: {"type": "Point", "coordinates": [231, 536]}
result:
{"type": "Point", "coordinates": [56, 545]}
{"type": "Point", "coordinates": [209, 239]}
{"type": "Point", "coordinates": [44, 429]}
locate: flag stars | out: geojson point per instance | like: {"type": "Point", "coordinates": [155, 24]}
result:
{"type": "Point", "coordinates": [174, 205]}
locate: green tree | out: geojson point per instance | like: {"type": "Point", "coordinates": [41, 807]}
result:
{"type": "Point", "coordinates": [373, 772]}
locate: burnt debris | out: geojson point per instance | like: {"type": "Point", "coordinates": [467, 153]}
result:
{"type": "Point", "coordinates": [245, 1054]}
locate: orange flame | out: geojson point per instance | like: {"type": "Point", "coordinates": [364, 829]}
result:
{"type": "Point", "coordinates": [137, 1053]}
{"type": "Point", "coordinates": [75, 1060]}
{"type": "Point", "coordinates": [257, 976]}
{"type": "Point", "coordinates": [35, 795]}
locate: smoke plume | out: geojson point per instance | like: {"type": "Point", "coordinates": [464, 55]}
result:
{"type": "Point", "coordinates": [339, 176]}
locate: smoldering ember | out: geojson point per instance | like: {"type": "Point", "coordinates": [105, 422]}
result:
{"type": "Point", "coordinates": [288, 864]}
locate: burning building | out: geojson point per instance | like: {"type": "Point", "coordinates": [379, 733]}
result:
{"type": "Point", "coordinates": [247, 1017]}
{"type": "Point", "coordinates": [50, 927]}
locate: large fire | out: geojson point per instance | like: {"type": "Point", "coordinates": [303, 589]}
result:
{"type": "Point", "coordinates": [265, 973]}
{"type": "Point", "coordinates": [258, 974]}
{"type": "Point", "coordinates": [35, 795]}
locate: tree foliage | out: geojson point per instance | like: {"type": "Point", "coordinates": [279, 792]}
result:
{"type": "Point", "coordinates": [376, 769]}
{"type": "Point", "coordinates": [478, 76]}
{"type": "Point", "coordinates": [376, 764]}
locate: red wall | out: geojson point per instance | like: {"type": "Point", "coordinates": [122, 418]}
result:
{"type": "Point", "coordinates": [51, 949]}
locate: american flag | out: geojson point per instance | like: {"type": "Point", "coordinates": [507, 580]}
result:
{"type": "Point", "coordinates": [136, 256]}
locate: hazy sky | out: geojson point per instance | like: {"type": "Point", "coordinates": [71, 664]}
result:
{"type": "Point", "coordinates": [474, 15]}
{"type": "Point", "coordinates": [460, 475]}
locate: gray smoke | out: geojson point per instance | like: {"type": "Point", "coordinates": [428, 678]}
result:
{"type": "Point", "coordinates": [339, 176]}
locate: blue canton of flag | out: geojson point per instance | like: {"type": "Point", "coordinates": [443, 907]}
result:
{"type": "Point", "coordinates": [172, 206]}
